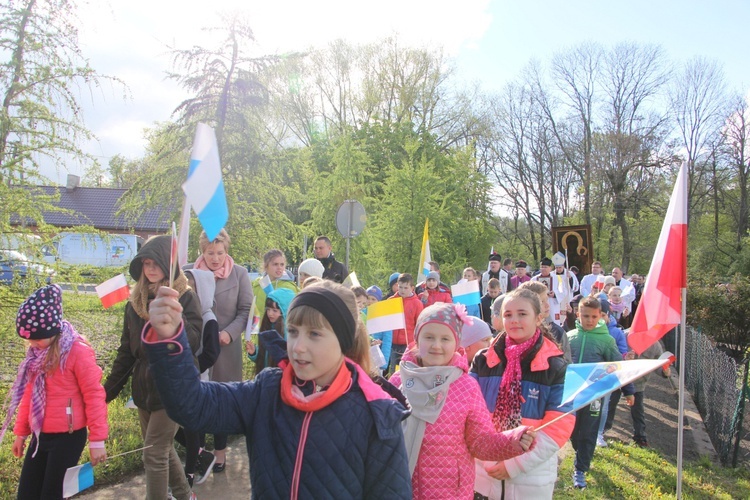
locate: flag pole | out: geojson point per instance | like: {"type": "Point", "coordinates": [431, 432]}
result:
{"type": "Point", "coordinates": [681, 394]}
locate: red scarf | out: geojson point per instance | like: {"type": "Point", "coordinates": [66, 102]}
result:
{"type": "Point", "coordinates": [507, 414]}
{"type": "Point", "coordinates": [292, 395]}
{"type": "Point", "coordinates": [221, 273]}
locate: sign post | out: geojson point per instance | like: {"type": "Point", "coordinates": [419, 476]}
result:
{"type": "Point", "coordinates": [350, 221]}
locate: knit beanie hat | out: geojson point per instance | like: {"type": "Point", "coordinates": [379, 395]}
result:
{"type": "Point", "coordinates": [474, 332]}
{"type": "Point", "coordinates": [311, 267]}
{"type": "Point", "coordinates": [451, 315]}
{"type": "Point", "coordinates": [609, 280]}
{"type": "Point", "coordinates": [376, 292]}
{"type": "Point", "coordinates": [433, 275]}
{"type": "Point", "coordinates": [40, 316]}
{"type": "Point", "coordinates": [393, 279]}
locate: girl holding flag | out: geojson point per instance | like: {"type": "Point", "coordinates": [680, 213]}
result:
{"type": "Point", "coordinates": [233, 299]}
{"type": "Point", "coordinates": [521, 376]}
{"type": "Point", "coordinates": [151, 269]}
{"type": "Point", "coordinates": [58, 394]}
{"type": "Point", "coordinates": [274, 265]}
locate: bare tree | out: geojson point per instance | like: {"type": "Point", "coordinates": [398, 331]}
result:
{"type": "Point", "coordinates": [737, 141]}
{"type": "Point", "coordinates": [697, 102]}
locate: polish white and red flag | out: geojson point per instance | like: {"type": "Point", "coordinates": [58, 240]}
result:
{"type": "Point", "coordinates": [113, 290]}
{"type": "Point", "coordinates": [660, 307]}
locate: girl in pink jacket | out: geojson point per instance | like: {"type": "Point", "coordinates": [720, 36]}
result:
{"type": "Point", "coordinates": [450, 422]}
{"type": "Point", "coordinates": [58, 394]}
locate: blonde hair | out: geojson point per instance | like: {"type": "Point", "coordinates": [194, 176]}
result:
{"type": "Point", "coordinates": [222, 237]}
{"type": "Point", "coordinates": [312, 318]}
{"type": "Point", "coordinates": [535, 286]}
{"type": "Point", "coordinates": [270, 255]}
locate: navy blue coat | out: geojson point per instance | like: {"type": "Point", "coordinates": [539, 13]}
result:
{"type": "Point", "coordinates": [354, 446]}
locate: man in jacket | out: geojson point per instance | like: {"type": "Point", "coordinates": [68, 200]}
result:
{"type": "Point", "coordinates": [332, 269]}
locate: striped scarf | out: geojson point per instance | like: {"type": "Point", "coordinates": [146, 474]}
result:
{"type": "Point", "coordinates": [507, 414]}
{"type": "Point", "coordinates": [33, 371]}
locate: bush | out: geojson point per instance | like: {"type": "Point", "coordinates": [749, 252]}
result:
{"type": "Point", "coordinates": [722, 310]}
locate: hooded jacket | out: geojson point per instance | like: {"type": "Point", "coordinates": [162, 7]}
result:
{"type": "Point", "coordinates": [352, 448]}
{"type": "Point", "coordinates": [131, 357]}
{"type": "Point", "coordinates": [464, 429]}
{"type": "Point", "coordinates": [333, 270]}
{"type": "Point", "coordinates": [595, 346]}
{"type": "Point", "coordinates": [283, 297]}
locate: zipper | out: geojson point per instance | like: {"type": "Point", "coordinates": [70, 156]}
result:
{"type": "Point", "coordinates": [69, 412]}
{"type": "Point", "coordinates": [583, 345]}
{"type": "Point", "coordinates": [300, 453]}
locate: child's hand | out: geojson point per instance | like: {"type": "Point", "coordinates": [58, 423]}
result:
{"type": "Point", "coordinates": [424, 296]}
{"type": "Point", "coordinates": [250, 347]}
{"type": "Point", "coordinates": [18, 446]}
{"type": "Point", "coordinates": [497, 471]}
{"type": "Point", "coordinates": [625, 311]}
{"type": "Point", "coordinates": [375, 342]}
{"type": "Point", "coordinates": [97, 455]}
{"type": "Point", "coordinates": [165, 313]}
{"type": "Point", "coordinates": [630, 400]}
{"type": "Point", "coordinates": [528, 438]}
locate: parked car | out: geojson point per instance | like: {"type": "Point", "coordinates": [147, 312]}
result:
{"type": "Point", "coordinates": [15, 266]}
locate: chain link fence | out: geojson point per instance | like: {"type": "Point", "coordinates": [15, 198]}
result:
{"type": "Point", "coordinates": [718, 385]}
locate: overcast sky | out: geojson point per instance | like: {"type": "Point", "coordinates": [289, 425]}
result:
{"type": "Point", "coordinates": [490, 40]}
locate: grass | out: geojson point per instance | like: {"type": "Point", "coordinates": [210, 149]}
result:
{"type": "Point", "coordinates": [624, 471]}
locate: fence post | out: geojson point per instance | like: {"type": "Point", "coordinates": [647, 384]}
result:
{"type": "Point", "coordinates": [740, 414]}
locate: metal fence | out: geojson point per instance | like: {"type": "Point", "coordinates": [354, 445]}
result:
{"type": "Point", "coordinates": [718, 385]}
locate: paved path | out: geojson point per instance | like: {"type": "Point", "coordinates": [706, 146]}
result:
{"type": "Point", "coordinates": [661, 422]}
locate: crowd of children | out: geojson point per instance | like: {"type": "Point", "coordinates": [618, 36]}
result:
{"type": "Point", "coordinates": [456, 417]}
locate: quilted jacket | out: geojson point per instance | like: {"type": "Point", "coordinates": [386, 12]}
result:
{"type": "Point", "coordinates": [445, 467]}
{"type": "Point", "coordinates": [542, 381]}
{"type": "Point", "coordinates": [79, 387]}
{"type": "Point", "coordinates": [352, 448]}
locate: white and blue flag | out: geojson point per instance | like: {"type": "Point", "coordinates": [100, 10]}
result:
{"type": "Point", "coordinates": [204, 187]}
{"type": "Point", "coordinates": [265, 284]}
{"type": "Point", "coordinates": [77, 479]}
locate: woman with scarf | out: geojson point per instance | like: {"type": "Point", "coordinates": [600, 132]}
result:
{"type": "Point", "coordinates": [521, 376]}
{"type": "Point", "coordinates": [58, 394]}
{"type": "Point", "coordinates": [151, 269]}
{"type": "Point", "coordinates": [233, 299]}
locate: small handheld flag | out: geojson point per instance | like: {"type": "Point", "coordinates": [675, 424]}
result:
{"type": "Point", "coordinates": [425, 256]}
{"type": "Point", "coordinates": [77, 479]}
{"type": "Point", "coordinates": [182, 241]}
{"type": "Point", "coordinates": [587, 382]}
{"type": "Point", "coordinates": [466, 293]}
{"type": "Point", "coordinates": [351, 280]}
{"type": "Point", "coordinates": [385, 315]}
{"type": "Point", "coordinates": [265, 285]}
{"type": "Point", "coordinates": [252, 320]}
{"type": "Point", "coordinates": [204, 186]}
{"type": "Point", "coordinates": [113, 291]}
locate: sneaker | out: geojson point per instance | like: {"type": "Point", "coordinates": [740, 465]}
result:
{"type": "Point", "coordinates": [204, 466]}
{"type": "Point", "coordinates": [218, 468]}
{"type": "Point", "coordinates": [600, 442]}
{"type": "Point", "coordinates": [641, 442]}
{"type": "Point", "coordinates": [193, 496]}
{"type": "Point", "coordinates": [579, 480]}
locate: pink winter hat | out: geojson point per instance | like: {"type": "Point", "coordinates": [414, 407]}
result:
{"type": "Point", "coordinates": [451, 315]}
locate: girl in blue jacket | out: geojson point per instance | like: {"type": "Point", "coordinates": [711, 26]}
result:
{"type": "Point", "coordinates": [317, 426]}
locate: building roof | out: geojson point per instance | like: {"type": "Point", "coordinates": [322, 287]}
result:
{"type": "Point", "coordinates": [98, 207]}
